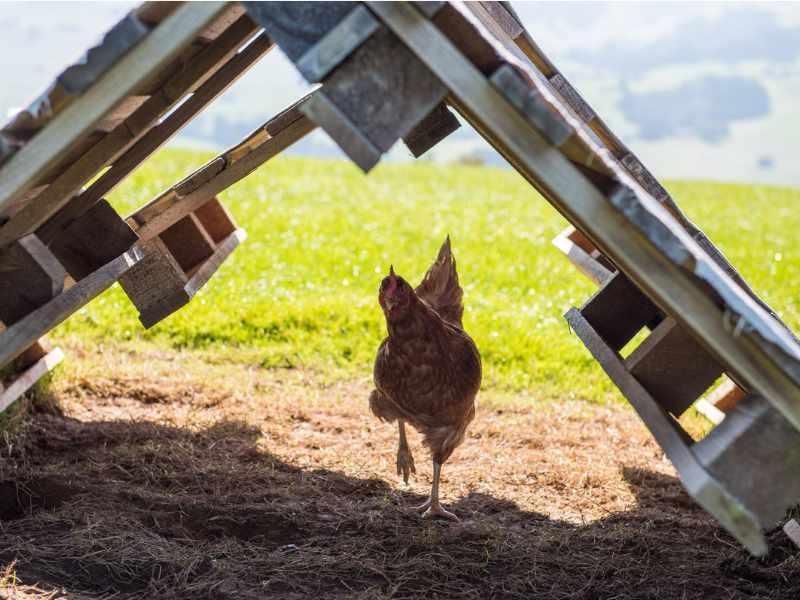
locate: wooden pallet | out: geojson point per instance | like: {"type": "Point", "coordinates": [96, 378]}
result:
{"type": "Point", "coordinates": [657, 270]}
{"type": "Point", "coordinates": [389, 72]}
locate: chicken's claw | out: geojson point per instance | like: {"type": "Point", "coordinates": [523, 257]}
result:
{"type": "Point", "coordinates": [436, 510]}
{"type": "Point", "coordinates": [405, 463]}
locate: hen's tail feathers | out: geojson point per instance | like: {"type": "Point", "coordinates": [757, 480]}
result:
{"type": "Point", "coordinates": [440, 287]}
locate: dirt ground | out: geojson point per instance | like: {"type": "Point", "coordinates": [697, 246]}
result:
{"type": "Point", "coordinates": [166, 477]}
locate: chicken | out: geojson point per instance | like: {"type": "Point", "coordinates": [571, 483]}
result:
{"type": "Point", "coordinates": [428, 370]}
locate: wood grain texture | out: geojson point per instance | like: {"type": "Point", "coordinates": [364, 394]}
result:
{"type": "Point", "coordinates": [673, 367]}
{"type": "Point", "coordinates": [30, 276]}
{"type": "Point", "coordinates": [120, 81]}
{"type": "Point", "coordinates": [29, 377]}
{"type": "Point", "coordinates": [95, 238]}
{"type": "Point", "coordinates": [23, 333]}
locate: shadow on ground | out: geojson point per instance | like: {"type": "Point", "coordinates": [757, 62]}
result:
{"type": "Point", "coordinates": [141, 510]}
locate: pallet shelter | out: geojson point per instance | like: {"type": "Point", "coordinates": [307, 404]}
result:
{"type": "Point", "coordinates": [385, 72]}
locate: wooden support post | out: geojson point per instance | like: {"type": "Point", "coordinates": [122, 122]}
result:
{"type": "Point", "coordinates": [673, 367]}
{"type": "Point", "coordinates": [439, 123]}
{"type": "Point", "coordinates": [180, 260]}
{"type": "Point", "coordinates": [618, 311]}
{"type": "Point", "coordinates": [21, 334]}
{"type": "Point", "coordinates": [95, 238]}
{"type": "Point", "coordinates": [28, 377]}
{"type": "Point", "coordinates": [30, 276]}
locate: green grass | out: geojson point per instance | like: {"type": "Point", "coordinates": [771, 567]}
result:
{"type": "Point", "coordinates": [302, 291]}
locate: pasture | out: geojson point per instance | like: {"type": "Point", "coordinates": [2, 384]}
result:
{"type": "Point", "coordinates": [228, 452]}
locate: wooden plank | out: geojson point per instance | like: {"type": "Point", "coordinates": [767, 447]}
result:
{"type": "Point", "coordinates": [30, 276]}
{"type": "Point", "coordinates": [95, 238]}
{"type": "Point", "coordinates": [382, 91]}
{"type": "Point", "coordinates": [26, 380]}
{"type": "Point", "coordinates": [339, 43]}
{"type": "Point", "coordinates": [676, 288]}
{"type": "Point", "coordinates": [23, 333]}
{"type": "Point", "coordinates": [673, 367]}
{"type": "Point", "coordinates": [756, 452]}
{"type": "Point", "coordinates": [120, 81]}
{"type": "Point", "coordinates": [215, 220]}
{"type": "Point", "coordinates": [124, 142]}
{"type": "Point", "coordinates": [187, 242]}
{"type": "Point", "coordinates": [619, 310]}
{"type": "Point", "coordinates": [31, 354]}
{"type": "Point", "coordinates": [170, 298]}
{"type": "Point", "coordinates": [726, 396]}
{"type": "Point", "coordinates": [586, 264]}
{"type": "Point", "coordinates": [709, 492]}
{"type": "Point", "coordinates": [439, 123]}
{"type": "Point", "coordinates": [162, 132]}
{"type": "Point", "coordinates": [167, 209]}
{"type": "Point", "coordinates": [153, 279]}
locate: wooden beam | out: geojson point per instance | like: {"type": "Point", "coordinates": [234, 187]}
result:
{"type": "Point", "coordinates": [169, 207]}
{"type": "Point", "coordinates": [162, 132]}
{"type": "Point", "coordinates": [674, 286]}
{"type": "Point", "coordinates": [26, 331]}
{"type": "Point", "coordinates": [26, 380]}
{"type": "Point", "coordinates": [154, 52]}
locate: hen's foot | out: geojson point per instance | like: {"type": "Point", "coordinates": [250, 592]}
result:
{"type": "Point", "coordinates": [424, 506]}
{"type": "Point", "coordinates": [436, 510]}
{"type": "Point", "coordinates": [405, 463]}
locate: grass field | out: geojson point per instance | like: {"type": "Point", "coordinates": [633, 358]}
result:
{"type": "Point", "coordinates": [302, 291]}
{"type": "Point", "coordinates": [170, 464]}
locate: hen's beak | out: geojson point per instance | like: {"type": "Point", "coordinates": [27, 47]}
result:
{"type": "Point", "coordinates": [391, 288]}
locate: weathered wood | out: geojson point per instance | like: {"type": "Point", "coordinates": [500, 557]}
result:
{"type": "Point", "coordinates": [30, 276]}
{"type": "Point", "coordinates": [341, 41]}
{"type": "Point", "coordinates": [673, 367]}
{"type": "Point", "coordinates": [118, 82]}
{"type": "Point", "coordinates": [439, 123]}
{"type": "Point", "coordinates": [162, 132]}
{"type": "Point", "coordinates": [726, 396]}
{"type": "Point", "coordinates": [153, 280]}
{"type": "Point", "coordinates": [297, 26]}
{"type": "Point", "coordinates": [29, 377]}
{"type": "Point", "coordinates": [619, 310]}
{"type": "Point", "coordinates": [26, 331]}
{"type": "Point", "coordinates": [188, 243]}
{"type": "Point", "coordinates": [585, 262]}
{"type": "Point", "coordinates": [159, 287]}
{"type": "Point", "coordinates": [512, 28]}
{"type": "Point", "coordinates": [531, 105]}
{"type": "Point", "coordinates": [167, 209]}
{"type": "Point", "coordinates": [322, 111]}
{"type": "Point", "coordinates": [95, 238]}
{"type": "Point", "coordinates": [680, 288]}
{"type": "Point", "coordinates": [31, 354]}
{"type": "Point", "coordinates": [216, 220]}
{"type": "Point", "coordinates": [710, 493]}
{"type": "Point", "coordinates": [756, 452]}
{"type": "Point", "coordinates": [383, 92]}
{"type": "Point", "coordinates": [128, 145]}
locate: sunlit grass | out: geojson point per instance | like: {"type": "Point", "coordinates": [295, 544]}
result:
{"type": "Point", "coordinates": [302, 291]}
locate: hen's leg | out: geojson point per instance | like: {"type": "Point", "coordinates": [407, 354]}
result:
{"type": "Point", "coordinates": [405, 461]}
{"type": "Point", "coordinates": [434, 509]}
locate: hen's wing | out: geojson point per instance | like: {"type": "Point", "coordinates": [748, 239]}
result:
{"type": "Point", "coordinates": [440, 289]}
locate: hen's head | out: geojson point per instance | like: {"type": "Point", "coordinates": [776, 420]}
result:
{"type": "Point", "coordinates": [395, 296]}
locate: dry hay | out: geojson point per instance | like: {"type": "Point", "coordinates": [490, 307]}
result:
{"type": "Point", "coordinates": [211, 481]}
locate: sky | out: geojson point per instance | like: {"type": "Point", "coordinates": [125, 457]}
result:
{"type": "Point", "coordinates": [697, 90]}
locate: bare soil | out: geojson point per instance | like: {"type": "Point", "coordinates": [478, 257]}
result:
{"type": "Point", "coordinates": [164, 477]}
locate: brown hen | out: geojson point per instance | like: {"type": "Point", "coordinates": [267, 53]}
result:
{"type": "Point", "coordinates": [428, 370]}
